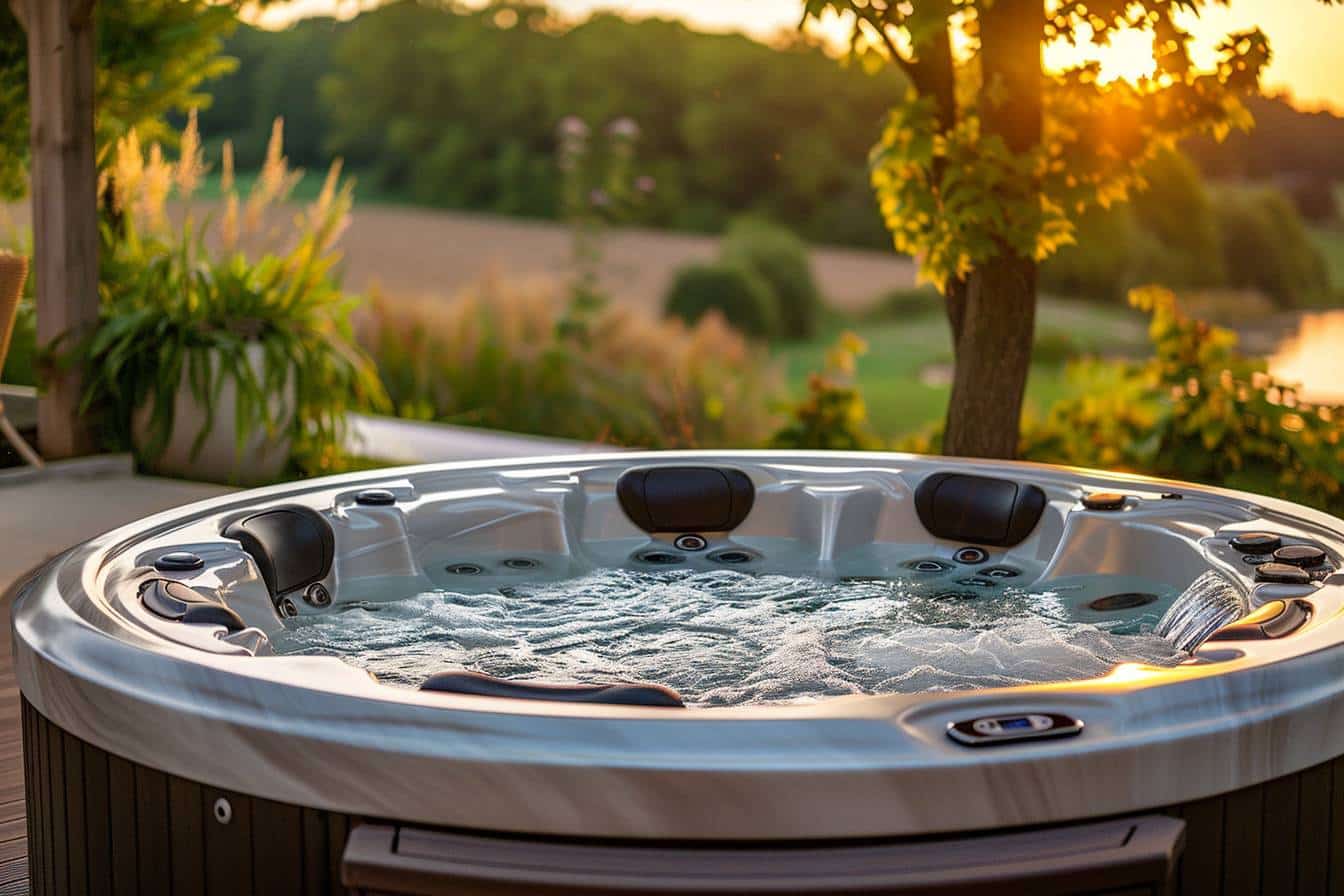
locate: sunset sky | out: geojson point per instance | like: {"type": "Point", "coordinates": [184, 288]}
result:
{"type": "Point", "coordinates": [1307, 37]}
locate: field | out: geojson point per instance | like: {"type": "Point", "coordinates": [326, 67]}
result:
{"type": "Point", "coordinates": [422, 253]}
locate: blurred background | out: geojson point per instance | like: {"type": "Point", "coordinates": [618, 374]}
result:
{"type": "Point", "coordinates": [654, 224]}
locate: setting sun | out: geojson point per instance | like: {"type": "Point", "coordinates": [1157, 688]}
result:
{"type": "Point", "coordinates": [1129, 55]}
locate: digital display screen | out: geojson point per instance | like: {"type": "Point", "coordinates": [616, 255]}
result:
{"type": "Point", "coordinates": [1014, 724]}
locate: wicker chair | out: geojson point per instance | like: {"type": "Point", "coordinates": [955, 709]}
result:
{"type": "Point", "coordinates": [13, 271]}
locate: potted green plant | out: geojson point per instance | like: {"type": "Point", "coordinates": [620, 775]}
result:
{"type": "Point", "coordinates": [213, 362]}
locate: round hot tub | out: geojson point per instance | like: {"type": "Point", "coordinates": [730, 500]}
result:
{"type": "Point", "coordinates": [735, 672]}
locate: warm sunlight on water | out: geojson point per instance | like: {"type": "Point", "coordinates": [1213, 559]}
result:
{"type": "Point", "coordinates": [1312, 357]}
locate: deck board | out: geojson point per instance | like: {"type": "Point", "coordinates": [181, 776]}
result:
{"type": "Point", "coordinates": [33, 533]}
{"type": "Point", "coordinates": [13, 821]}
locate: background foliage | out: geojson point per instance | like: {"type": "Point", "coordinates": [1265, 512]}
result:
{"type": "Point", "coordinates": [1197, 410]}
{"type": "Point", "coordinates": [762, 283]}
{"type": "Point", "coordinates": [497, 356]}
{"type": "Point", "coordinates": [417, 98]}
{"type": "Point", "coordinates": [732, 290]}
{"type": "Point", "coordinates": [456, 108]}
{"type": "Point", "coordinates": [1186, 234]}
{"type": "Point", "coordinates": [152, 58]}
{"type": "Point", "coordinates": [182, 305]}
{"type": "Point", "coordinates": [781, 260]}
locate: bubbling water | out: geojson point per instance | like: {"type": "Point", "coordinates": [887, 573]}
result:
{"type": "Point", "coordinates": [729, 639]}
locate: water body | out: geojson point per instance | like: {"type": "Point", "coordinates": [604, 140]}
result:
{"type": "Point", "coordinates": [1311, 356]}
{"type": "Point", "coordinates": [729, 639]}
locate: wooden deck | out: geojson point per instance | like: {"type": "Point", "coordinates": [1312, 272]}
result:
{"type": "Point", "coordinates": [40, 516]}
{"type": "Point", "coordinates": [13, 824]}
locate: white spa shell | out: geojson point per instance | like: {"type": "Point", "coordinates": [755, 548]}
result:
{"type": "Point", "coordinates": [314, 731]}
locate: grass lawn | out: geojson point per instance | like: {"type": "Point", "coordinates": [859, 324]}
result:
{"type": "Point", "coordinates": [898, 350]}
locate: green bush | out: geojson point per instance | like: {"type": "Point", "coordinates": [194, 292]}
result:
{"type": "Point", "coordinates": [1176, 215]}
{"type": "Point", "coordinates": [741, 295]}
{"type": "Point", "coordinates": [833, 415]}
{"type": "Point", "coordinates": [1197, 410]}
{"type": "Point", "coordinates": [1313, 195]}
{"type": "Point", "coordinates": [1168, 233]}
{"type": "Point", "coordinates": [1099, 265]}
{"type": "Point", "coordinates": [781, 260]}
{"type": "Point", "coordinates": [1266, 246]}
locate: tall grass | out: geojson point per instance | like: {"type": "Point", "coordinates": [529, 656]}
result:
{"type": "Point", "coordinates": [497, 356]}
{"type": "Point", "coordinates": [182, 303]}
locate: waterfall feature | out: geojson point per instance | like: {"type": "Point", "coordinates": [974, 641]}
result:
{"type": "Point", "coordinates": [1211, 601]}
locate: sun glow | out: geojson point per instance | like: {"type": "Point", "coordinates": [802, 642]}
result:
{"type": "Point", "coordinates": [1128, 55]}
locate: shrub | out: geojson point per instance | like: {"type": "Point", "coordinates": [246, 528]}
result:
{"type": "Point", "coordinates": [496, 355]}
{"type": "Point", "coordinates": [1168, 233]}
{"type": "Point", "coordinates": [906, 302]}
{"type": "Point", "coordinates": [183, 306]}
{"type": "Point", "coordinates": [1266, 246]}
{"type": "Point", "coordinates": [781, 260]}
{"type": "Point", "coordinates": [833, 416]}
{"type": "Point", "coordinates": [1099, 265]}
{"type": "Point", "coordinates": [1176, 215]}
{"type": "Point", "coordinates": [1196, 410]}
{"type": "Point", "coordinates": [741, 295]}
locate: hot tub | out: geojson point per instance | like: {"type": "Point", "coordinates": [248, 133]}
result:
{"type": "Point", "coordinates": [174, 744]}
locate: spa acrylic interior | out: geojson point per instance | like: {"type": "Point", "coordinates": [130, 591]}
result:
{"type": "Point", "coordinates": [733, 583]}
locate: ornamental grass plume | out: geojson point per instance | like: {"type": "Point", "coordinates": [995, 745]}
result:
{"type": "Point", "coordinates": [139, 181]}
{"type": "Point", "coordinates": [191, 167]}
{"type": "Point", "coordinates": [494, 355]}
{"type": "Point", "coordinates": [182, 295]}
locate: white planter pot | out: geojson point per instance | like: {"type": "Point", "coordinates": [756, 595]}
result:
{"type": "Point", "coordinates": [263, 456]}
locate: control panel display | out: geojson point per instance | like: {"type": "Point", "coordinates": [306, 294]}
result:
{"type": "Point", "coordinates": [1005, 729]}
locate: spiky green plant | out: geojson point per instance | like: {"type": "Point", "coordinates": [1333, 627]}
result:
{"type": "Point", "coordinates": [186, 301]}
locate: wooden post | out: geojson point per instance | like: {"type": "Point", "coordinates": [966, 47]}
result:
{"type": "Point", "coordinates": [64, 196]}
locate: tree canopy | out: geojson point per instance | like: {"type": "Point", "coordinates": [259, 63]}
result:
{"type": "Point", "coordinates": [985, 167]}
{"type": "Point", "coordinates": [152, 58]}
{"type": "Point", "coordinates": [455, 107]}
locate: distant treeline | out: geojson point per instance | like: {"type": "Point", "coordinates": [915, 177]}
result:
{"type": "Point", "coordinates": [459, 110]}
{"type": "Point", "coordinates": [439, 106]}
{"type": "Point", "coordinates": [1285, 143]}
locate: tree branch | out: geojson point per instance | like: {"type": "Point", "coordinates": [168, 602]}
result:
{"type": "Point", "coordinates": [906, 65]}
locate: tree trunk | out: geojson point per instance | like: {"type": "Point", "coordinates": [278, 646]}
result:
{"type": "Point", "coordinates": [65, 205]}
{"type": "Point", "coordinates": [993, 332]}
{"type": "Point", "coordinates": [954, 302]}
{"type": "Point", "coordinates": [993, 359]}
{"type": "Point", "coordinates": [934, 75]}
